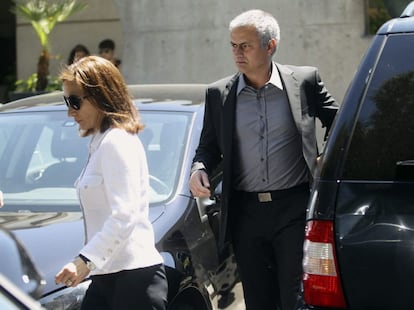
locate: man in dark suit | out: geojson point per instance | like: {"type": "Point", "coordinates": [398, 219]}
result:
{"type": "Point", "coordinates": [259, 125]}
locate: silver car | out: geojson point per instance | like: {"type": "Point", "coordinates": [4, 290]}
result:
{"type": "Point", "coordinates": [41, 155]}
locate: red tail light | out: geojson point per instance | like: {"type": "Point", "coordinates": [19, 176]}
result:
{"type": "Point", "coordinates": [322, 286]}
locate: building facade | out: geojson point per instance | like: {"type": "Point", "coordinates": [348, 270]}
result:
{"type": "Point", "coordinates": [181, 41]}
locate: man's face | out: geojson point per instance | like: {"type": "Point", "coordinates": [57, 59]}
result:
{"type": "Point", "coordinates": [249, 56]}
{"type": "Point", "coordinates": [107, 53]}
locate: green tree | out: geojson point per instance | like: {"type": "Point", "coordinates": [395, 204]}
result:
{"type": "Point", "coordinates": [44, 15]}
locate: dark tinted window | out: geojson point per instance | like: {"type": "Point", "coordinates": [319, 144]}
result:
{"type": "Point", "coordinates": [384, 132]}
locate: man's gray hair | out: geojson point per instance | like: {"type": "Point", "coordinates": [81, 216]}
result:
{"type": "Point", "coordinates": [266, 25]}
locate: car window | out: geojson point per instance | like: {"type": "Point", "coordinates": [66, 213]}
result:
{"type": "Point", "coordinates": [4, 137]}
{"type": "Point", "coordinates": [384, 131]}
{"type": "Point", "coordinates": [42, 155]}
{"type": "Point", "coordinates": [164, 138]}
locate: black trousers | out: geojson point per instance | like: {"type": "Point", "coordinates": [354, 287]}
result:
{"type": "Point", "coordinates": [268, 243]}
{"type": "Point", "coordinates": [143, 288]}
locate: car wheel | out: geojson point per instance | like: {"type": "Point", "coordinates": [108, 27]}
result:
{"type": "Point", "coordinates": [186, 306]}
{"type": "Point", "coordinates": [183, 307]}
{"type": "Point", "coordinates": [191, 299]}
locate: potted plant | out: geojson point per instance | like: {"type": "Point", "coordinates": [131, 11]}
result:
{"type": "Point", "coordinates": [43, 15]}
{"type": "Point", "coordinates": [27, 88]}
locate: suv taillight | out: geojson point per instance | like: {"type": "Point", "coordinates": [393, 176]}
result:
{"type": "Point", "coordinates": [322, 286]}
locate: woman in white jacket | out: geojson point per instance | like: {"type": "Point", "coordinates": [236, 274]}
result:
{"type": "Point", "coordinates": [127, 271]}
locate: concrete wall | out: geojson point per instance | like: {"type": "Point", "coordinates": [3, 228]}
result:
{"type": "Point", "coordinates": [188, 41]}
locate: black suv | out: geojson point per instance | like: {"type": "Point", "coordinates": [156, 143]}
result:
{"type": "Point", "coordinates": [359, 246]}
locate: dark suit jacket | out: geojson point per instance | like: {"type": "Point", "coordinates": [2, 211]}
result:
{"type": "Point", "coordinates": [308, 100]}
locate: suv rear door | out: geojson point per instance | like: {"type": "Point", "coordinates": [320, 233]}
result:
{"type": "Point", "coordinates": [374, 216]}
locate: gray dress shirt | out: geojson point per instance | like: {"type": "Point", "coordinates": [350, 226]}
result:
{"type": "Point", "coordinates": [268, 146]}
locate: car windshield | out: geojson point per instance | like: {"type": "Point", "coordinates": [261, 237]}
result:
{"type": "Point", "coordinates": [41, 156]}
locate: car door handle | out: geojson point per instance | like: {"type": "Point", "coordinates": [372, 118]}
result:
{"type": "Point", "coordinates": [404, 170]}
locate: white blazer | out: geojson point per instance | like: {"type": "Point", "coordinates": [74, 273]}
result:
{"type": "Point", "coordinates": [113, 192]}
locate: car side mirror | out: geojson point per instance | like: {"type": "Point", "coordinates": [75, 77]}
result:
{"type": "Point", "coordinates": [208, 206]}
{"type": "Point", "coordinates": [204, 204]}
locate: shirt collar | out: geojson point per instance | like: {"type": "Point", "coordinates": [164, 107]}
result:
{"type": "Point", "coordinates": [96, 140]}
{"type": "Point", "coordinates": [274, 80]}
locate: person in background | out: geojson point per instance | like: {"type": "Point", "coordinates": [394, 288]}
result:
{"type": "Point", "coordinates": [127, 271]}
{"type": "Point", "coordinates": [77, 53]}
{"type": "Point", "coordinates": [107, 51]}
{"type": "Point", "coordinates": [259, 125]}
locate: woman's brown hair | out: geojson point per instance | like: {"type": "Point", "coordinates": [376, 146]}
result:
{"type": "Point", "coordinates": [103, 82]}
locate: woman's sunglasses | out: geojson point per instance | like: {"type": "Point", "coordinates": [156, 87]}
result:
{"type": "Point", "coordinates": [74, 102]}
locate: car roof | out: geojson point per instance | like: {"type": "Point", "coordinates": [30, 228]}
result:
{"type": "Point", "coordinates": [402, 24]}
{"type": "Point", "coordinates": [146, 96]}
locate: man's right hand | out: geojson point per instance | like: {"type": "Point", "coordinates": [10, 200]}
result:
{"type": "Point", "coordinates": [199, 184]}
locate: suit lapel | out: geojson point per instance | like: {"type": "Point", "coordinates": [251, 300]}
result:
{"type": "Point", "coordinates": [229, 93]}
{"type": "Point", "coordinates": [229, 105]}
{"type": "Point", "coordinates": [227, 131]}
{"type": "Point", "coordinates": [291, 85]}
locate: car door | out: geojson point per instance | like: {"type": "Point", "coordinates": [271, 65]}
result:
{"type": "Point", "coordinates": [374, 219]}
{"type": "Point", "coordinates": [224, 274]}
